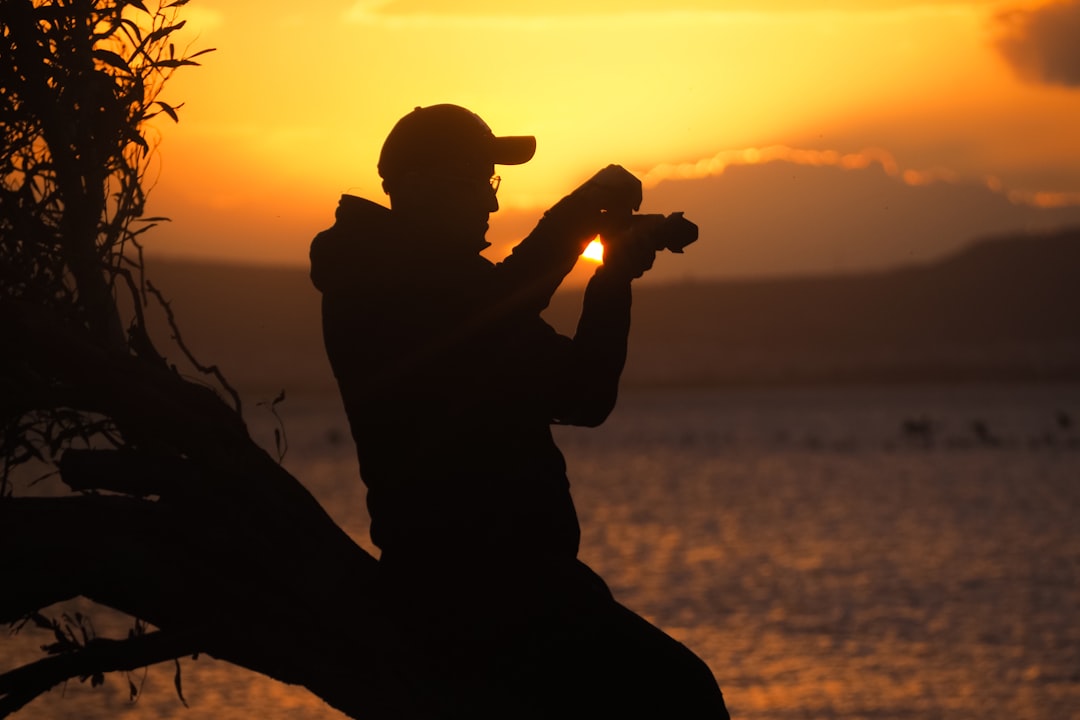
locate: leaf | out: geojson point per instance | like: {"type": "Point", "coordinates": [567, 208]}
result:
{"type": "Point", "coordinates": [169, 110]}
{"type": "Point", "coordinates": [172, 63]}
{"type": "Point", "coordinates": [176, 682]}
{"type": "Point", "coordinates": [136, 31]}
{"type": "Point", "coordinates": [136, 137]}
{"type": "Point", "coordinates": [165, 31]}
{"type": "Point", "coordinates": [41, 621]}
{"type": "Point", "coordinates": [112, 59]}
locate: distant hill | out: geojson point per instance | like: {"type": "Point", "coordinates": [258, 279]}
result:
{"type": "Point", "coordinates": [1004, 309]}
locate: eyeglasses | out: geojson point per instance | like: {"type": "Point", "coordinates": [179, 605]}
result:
{"type": "Point", "coordinates": [450, 179]}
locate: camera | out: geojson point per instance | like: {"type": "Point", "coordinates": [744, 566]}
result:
{"type": "Point", "coordinates": [667, 232]}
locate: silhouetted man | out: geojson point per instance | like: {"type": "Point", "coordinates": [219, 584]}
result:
{"type": "Point", "coordinates": [451, 381]}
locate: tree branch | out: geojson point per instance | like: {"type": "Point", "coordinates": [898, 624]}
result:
{"type": "Point", "coordinates": [126, 472]}
{"type": "Point", "coordinates": [21, 685]}
{"type": "Point", "coordinates": [212, 370]}
{"type": "Point", "coordinates": [291, 604]}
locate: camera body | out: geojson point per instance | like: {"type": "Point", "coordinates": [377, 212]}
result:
{"type": "Point", "coordinates": [619, 194]}
{"type": "Point", "coordinates": [666, 232]}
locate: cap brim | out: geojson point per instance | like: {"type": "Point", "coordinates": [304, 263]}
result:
{"type": "Point", "coordinates": [513, 149]}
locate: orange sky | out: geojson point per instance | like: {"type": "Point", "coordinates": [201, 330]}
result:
{"type": "Point", "coordinates": [292, 108]}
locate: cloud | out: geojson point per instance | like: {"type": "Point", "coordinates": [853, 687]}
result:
{"type": "Point", "coordinates": [809, 213]}
{"type": "Point", "coordinates": [609, 14]}
{"type": "Point", "coordinates": [362, 11]}
{"type": "Point", "coordinates": [719, 163]}
{"type": "Point", "coordinates": [1042, 43]}
{"type": "Point", "coordinates": [791, 218]}
{"type": "Point", "coordinates": [617, 8]}
{"type": "Point", "coordinates": [783, 211]}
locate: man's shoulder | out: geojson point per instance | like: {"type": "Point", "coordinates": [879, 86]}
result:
{"type": "Point", "coordinates": [362, 231]}
{"type": "Point", "coordinates": [354, 209]}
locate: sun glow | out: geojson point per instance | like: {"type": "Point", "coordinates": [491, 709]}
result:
{"type": "Point", "coordinates": [594, 252]}
{"type": "Point", "coordinates": [707, 86]}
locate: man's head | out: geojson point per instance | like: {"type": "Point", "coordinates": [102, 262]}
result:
{"type": "Point", "coordinates": [438, 164]}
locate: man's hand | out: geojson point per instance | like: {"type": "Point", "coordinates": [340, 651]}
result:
{"type": "Point", "coordinates": [613, 190]}
{"type": "Point", "coordinates": [631, 252]}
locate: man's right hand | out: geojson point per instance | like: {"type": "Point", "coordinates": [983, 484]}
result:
{"type": "Point", "coordinates": [588, 211]}
{"type": "Point", "coordinates": [614, 189]}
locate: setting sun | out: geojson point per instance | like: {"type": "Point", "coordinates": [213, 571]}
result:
{"type": "Point", "coordinates": [594, 252]}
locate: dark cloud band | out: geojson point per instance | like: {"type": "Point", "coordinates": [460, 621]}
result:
{"type": "Point", "coordinates": [1043, 43]}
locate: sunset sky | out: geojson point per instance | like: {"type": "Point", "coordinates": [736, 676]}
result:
{"type": "Point", "coordinates": [803, 136]}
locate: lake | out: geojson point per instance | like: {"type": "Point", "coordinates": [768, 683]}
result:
{"type": "Point", "coordinates": [832, 552]}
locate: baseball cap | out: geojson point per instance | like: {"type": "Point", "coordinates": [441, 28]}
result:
{"type": "Point", "coordinates": [452, 138]}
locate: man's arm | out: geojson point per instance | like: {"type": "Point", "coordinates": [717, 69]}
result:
{"type": "Point", "coordinates": [587, 395]}
{"type": "Point", "coordinates": [600, 343]}
{"type": "Point", "coordinates": [538, 264]}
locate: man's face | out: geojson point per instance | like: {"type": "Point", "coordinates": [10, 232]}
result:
{"type": "Point", "coordinates": [452, 205]}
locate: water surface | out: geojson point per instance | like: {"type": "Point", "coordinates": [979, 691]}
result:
{"type": "Point", "coordinates": [860, 552]}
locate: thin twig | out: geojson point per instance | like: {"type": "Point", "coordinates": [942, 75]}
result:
{"type": "Point", "coordinates": [140, 335]}
{"type": "Point", "coordinates": [204, 369]}
{"type": "Point", "coordinates": [281, 438]}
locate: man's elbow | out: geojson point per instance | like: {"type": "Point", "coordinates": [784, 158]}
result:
{"type": "Point", "coordinates": [593, 412]}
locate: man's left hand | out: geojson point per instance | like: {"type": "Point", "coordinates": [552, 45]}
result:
{"type": "Point", "coordinates": [630, 253]}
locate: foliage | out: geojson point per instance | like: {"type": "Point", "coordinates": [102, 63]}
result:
{"type": "Point", "coordinates": [176, 517]}
{"type": "Point", "coordinates": [79, 79]}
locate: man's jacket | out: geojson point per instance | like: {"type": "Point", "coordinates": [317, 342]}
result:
{"type": "Point", "coordinates": [451, 379]}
